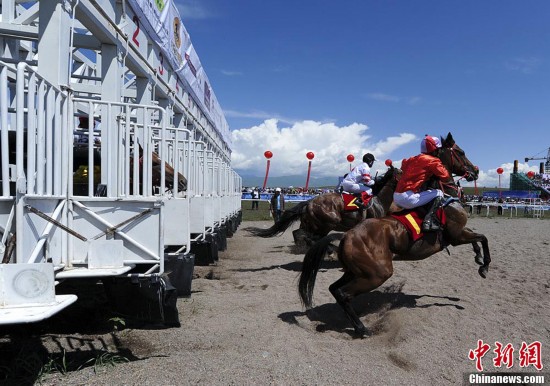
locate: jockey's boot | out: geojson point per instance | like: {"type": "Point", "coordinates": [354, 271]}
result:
{"type": "Point", "coordinates": [431, 222]}
{"type": "Point", "coordinates": [359, 201]}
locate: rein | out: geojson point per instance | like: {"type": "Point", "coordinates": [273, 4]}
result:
{"type": "Point", "coordinates": [450, 186]}
{"type": "Point", "coordinates": [459, 161]}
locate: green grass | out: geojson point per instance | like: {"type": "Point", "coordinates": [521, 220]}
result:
{"type": "Point", "coordinates": [262, 214]}
{"type": "Point", "coordinates": [60, 364]}
{"type": "Point", "coordinates": [470, 190]}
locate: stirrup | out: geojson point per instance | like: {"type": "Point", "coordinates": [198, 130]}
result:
{"type": "Point", "coordinates": [449, 201]}
{"type": "Point", "coordinates": [431, 226]}
{"type": "Point", "coordinates": [359, 201]}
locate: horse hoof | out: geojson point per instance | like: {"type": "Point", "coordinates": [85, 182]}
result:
{"type": "Point", "coordinates": [479, 259]}
{"type": "Point", "coordinates": [483, 272]}
{"type": "Point", "coordinates": [362, 332]}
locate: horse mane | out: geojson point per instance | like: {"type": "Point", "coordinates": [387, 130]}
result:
{"type": "Point", "coordinates": [382, 181]}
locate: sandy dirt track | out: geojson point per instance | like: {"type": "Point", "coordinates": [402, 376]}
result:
{"type": "Point", "coordinates": [244, 324]}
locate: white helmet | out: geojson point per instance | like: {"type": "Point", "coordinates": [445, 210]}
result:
{"type": "Point", "coordinates": [429, 144]}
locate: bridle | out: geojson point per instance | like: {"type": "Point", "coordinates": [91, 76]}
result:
{"type": "Point", "coordinates": [455, 157]}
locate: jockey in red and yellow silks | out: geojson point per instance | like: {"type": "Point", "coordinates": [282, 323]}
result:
{"type": "Point", "coordinates": [416, 171]}
{"type": "Point", "coordinates": [419, 169]}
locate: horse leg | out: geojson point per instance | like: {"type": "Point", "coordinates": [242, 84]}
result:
{"type": "Point", "coordinates": [344, 300]}
{"type": "Point", "coordinates": [484, 269]}
{"type": "Point", "coordinates": [478, 257]}
{"type": "Point", "coordinates": [313, 238]}
{"type": "Point", "coordinates": [349, 286]}
{"type": "Point", "coordinates": [304, 239]}
{"type": "Point", "coordinates": [469, 236]}
{"type": "Point", "coordinates": [300, 237]}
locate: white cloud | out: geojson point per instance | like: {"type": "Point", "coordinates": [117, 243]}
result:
{"type": "Point", "coordinates": [378, 96]}
{"type": "Point", "coordinates": [414, 101]}
{"type": "Point", "coordinates": [290, 141]}
{"type": "Point", "coordinates": [257, 115]}
{"type": "Point", "coordinates": [330, 144]}
{"type": "Point", "coordinates": [523, 65]}
{"type": "Point", "coordinates": [281, 68]}
{"type": "Point", "coordinates": [231, 73]}
{"type": "Point", "coordinates": [193, 9]}
{"type": "Point", "coordinates": [383, 97]}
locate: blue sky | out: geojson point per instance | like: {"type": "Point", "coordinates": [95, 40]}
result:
{"type": "Point", "coordinates": [360, 75]}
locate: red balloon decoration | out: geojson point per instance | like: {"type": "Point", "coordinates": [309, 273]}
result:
{"type": "Point", "coordinates": [500, 170]}
{"type": "Point", "coordinates": [350, 158]}
{"type": "Point", "coordinates": [530, 174]}
{"type": "Point", "coordinates": [268, 154]}
{"type": "Point", "coordinates": [309, 156]}
{"type": "Point", "coordinates": [388, 162]}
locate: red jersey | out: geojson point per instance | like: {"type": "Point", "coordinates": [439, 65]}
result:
{"type": "Point", "coordinates": [419, 169]}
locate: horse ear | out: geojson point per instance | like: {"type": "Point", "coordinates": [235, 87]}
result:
{"type": "Point", "coordinates": [449, 141]}
{"type": "Point", "coordinates": [398, 174]}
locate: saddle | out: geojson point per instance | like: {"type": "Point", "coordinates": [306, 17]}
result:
{"type": "Point", "coordinates": [355, 201]}
{"type": "Point", "coordinates": [412, 219]}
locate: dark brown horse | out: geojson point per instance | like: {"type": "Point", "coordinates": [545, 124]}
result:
{"type": "Point", "coordinates": [80, 178]}
{"type": "Point", "coordinates": [368, 250]}
{"type": "Point", "coordinates": [326, 212]}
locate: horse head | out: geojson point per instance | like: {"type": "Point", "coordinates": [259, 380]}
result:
{"type": "Point", "coordinates": [455, 160]}
{"type": "Point", "coordinates": [389, 178]}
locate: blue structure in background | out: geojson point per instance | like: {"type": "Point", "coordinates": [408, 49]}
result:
{"type": "Point", "coordinates": [521, 194]}
{"type": "Point", "coordinates": [288, 197]}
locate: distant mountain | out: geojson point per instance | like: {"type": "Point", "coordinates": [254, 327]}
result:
{"type": "Point", "coordinates": [286, 181]}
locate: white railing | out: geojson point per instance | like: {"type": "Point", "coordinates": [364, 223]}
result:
{"type": "Point", "coordinates": [5, 149]}
{"type": "Point", "coordinates": [536, 209]}
{"type": "Point", "coordinates": [125, 148]}
{"type": "Point", "coordinates": [41, 111]}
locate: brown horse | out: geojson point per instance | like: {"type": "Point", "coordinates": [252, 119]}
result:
{"type": "Point", "coordinates": [368, 250]}
{"type": "Point", "coordinates": [326, 212]}
{"type": "Point", "coordinates": [80, 160]}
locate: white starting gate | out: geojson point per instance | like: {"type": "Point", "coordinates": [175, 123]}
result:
{"type": "Point", "coordinates": [108, 162]}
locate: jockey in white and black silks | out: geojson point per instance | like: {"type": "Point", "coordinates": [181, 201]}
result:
{"type": "Point", "coordinates": [359, 179]}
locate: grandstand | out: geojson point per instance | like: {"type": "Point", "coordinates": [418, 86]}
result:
{"type": "Point", "coordinates": [520, 181]}
{"type": "Point", "coordinates": [539, 182]}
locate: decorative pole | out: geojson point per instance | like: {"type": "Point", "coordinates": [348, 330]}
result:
{"type": "Point", "coordinates": [475, 182]}
{"type": "Point", "coordinates": [309, 156]}
{"type": "Point", "coordinates": [499, 172]}
{"type": "Point", "coordinates": [268, 154]}
{"type": "Point", "coordinates": [350, 159]}
{"type": "Point", "coordinates": [530, 175]}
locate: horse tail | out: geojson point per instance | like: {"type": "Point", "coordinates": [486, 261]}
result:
{"type": "Point", "coordinates": [287, 219]}
{"type": "Point", "coordinates": [311, 265]}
